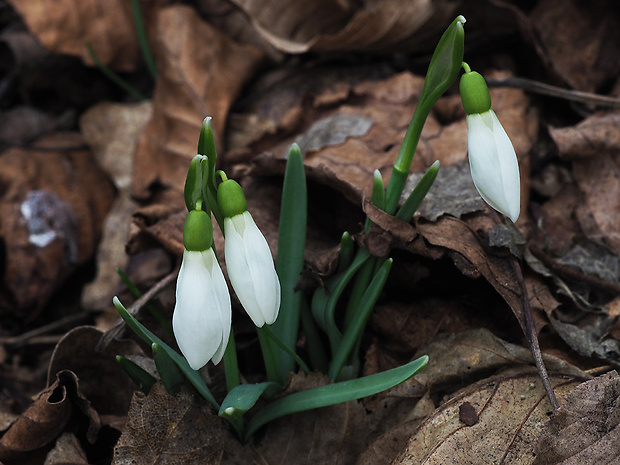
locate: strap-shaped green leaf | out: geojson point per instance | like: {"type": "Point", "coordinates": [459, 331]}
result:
{"type": "Point", "coordinates": [290, 261]}
{"type": "Point", "coordinates": [333, 394]}
{"type": "Point", "coordinates": [243, 397]}
{"type": "Point", "coordinates": [143, 379]}
{"type": "Point", "coordinates": [358, 322]}
{"type": "Point", "coordinates": [169, 372]}
{"type": "Point", "coordinates": [419, 192]}
{"type": "Point", "coordinates": [148, 337]}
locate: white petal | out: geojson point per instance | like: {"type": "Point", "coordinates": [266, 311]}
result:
{"type": "Point", "coordinates": [493, 163]}
{"type": "Point", "coordinates": [202, 314]}
{"type": "Point", "coordinates": [251, 269]}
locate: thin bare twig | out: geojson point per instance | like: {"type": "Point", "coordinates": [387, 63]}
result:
{"type": "Point", "coordinates": [545, 89]}
{"type": "Point", "coordinates": [532, 339]}
{"type": "Point", "coordinates": [45, 329]}
{"type": "Point", "coordinates": [118, 327]}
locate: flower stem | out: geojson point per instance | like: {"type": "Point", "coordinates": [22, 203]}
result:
{"type": "Point", "coordinates": [230, 363]}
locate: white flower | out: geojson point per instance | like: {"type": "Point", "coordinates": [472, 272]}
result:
{"type": "Point", "coordinates": [493, 163]}
{"type": "Point", "coordinates": [202, 314]}
{"type": "Point", "coordinates": [251, 270]}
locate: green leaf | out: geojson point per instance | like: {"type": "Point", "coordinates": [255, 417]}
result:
{"type": "Point", "coordinates": [356, 327]}
{"type": "Point", "coordinates": [149, 306]}
{"type": "Point", "coordinates": [148, 337]}
{"type": "Point", "coordinates": [243, 397]}
{"type": "Point", "coordinates": [419, 192]}
{"type": "Point", "coordinates": [443, 70]}
{"type": "Point", "coordinates": [192, 192]}
{"type": "Point", "coordinates": [143, 379]}
{"type": "Point", "coordinates": [169, 372]}
{"type": "Point", "coordinates": [324, 304]}
{"type": "Point", "coordinates": [147, 54]}
{"type": "Point", "coordinates": [206, 147]}
{"type": "Point", "coordinates": [345, 256]}
{"type": "Point", "coordinates": [290, 260]}
{"type": "Point", "coordinates": [112, 76]}
{"type": "Point", "coordinates": [333, 394]}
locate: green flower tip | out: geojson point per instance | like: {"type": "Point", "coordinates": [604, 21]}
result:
{"type": "Point", "coordinates": [193, 191]}
{"type": "Point", "coordinates": [206, 143]}
{"type": "Point", "coordinates": [198, 231]}
{"type": "Point", "coordinates": [475, 93]}
{"type": "Point", "coordinates": [231, 199]}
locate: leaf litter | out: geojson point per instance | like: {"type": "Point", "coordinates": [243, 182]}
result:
{"type": "Point", "coordinates": [352, 120]}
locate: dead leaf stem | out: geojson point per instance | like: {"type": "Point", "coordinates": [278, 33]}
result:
{"type": "Point", "coordinates": [532, 339]}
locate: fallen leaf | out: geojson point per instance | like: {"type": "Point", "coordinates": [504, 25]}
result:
{"type": "Point", "coordinates": [64, 26]}
{"type": "Point", "coordinates": [329, 435]}
{"type": "Point", "coordinates": [201, 72]}
{"type": "Point", "coordinates": [170, 430]}
{"type": "Point", "coordinates": [112, 131]}
{"type": "Point", "coordinates": [512, 409]}
{"type": "Point", "coordinates": [577, 37]}
{"type": "Point", "coordinates": [53, 206]}
{"type": "Point", "coordinates": [76, 352]}
{"type": "Point", "coordinates": [39, 426]}
{"type": "Point", "coordinates": [457, 360]}
{"type": "Point", "coordinates": [385, 25]}
{"type": "Point", "coordinates": [585, 431]}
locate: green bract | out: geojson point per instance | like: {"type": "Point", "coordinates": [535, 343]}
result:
{"type": "Point", "coordinates": [231, 199]}
{"type": "Point", "coordinates": [193, 191]}
{"type": "Point", "coordinates": [198, 231]}
{"type": "Point", "coordinates": [475, 93]}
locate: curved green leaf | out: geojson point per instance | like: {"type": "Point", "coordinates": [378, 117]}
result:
{"type": "Point", "coordinates": [334, 394]}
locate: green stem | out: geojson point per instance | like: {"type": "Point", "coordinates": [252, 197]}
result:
{"type": "Point", "coordinates": [147, 54]}
{"type": "Point", "coordinates": [231, 366]}
{"type": "Point", "coordinates": [397, 181]}
{"type": "Point", "coordinates": [271, 358]}
{"type": "Point", "coordinates": [285, 348]}
{"type": "Point", "coordinates": [314, 344]}
{"type": "Point", "coordinates": [353, 333]}
{"type": "Point", "coordinates": [112, 76]}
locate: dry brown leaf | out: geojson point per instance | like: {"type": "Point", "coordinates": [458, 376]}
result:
{"type": "Point", "coordinates": [383, 25]}
{"type": "Point", "coordinates": [64, 26]}
{"type": "Point", "coordinates": [201, 72]}
{"type": "Point", "coordinates": [112, 131]}
{"type": "Point", "coordinates": [384, 108]}
{"type": "Point", "coordinates": [512, 409]}
{"type": "Point", "coordinates": [330, 435]}
{"type": "Point", "coordinates": [76, 352]}
{"type": "Point", "coordinates": [586, 431]}
{"type": "Point", "coordinates": [46, 418]}
{"type": "Point", "coordinates": [592, 146]}
{"type": "Point", "coordinates": [579, 36]}
{"type": "Point", "coordinates": [456, 359]}
{"type": "Point", "coordinates": [170, 430]}
{"type": "Point", "coordinates": [54, 201]}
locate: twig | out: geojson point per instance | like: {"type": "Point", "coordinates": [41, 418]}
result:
{"type": "Point", "coordinates": [45, 329]}
{"type": "Point", "coordinates": [545, 89]}
{"type": "Point", "coordinates": [532, 339]}
{"type": "Point", "coordinates": [118, 327]}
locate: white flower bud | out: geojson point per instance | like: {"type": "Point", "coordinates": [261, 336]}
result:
{"type": "Point", "coordinates": [202, 314]}
{"type": "Point", "coordinates": [251, 269]}
{"type": "Point", "coordinates": [493, 163]}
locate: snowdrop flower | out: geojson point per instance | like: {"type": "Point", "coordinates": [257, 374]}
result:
{"type": "Point", "coordinates": [248, 258]}
{"type": "Point", "coordinates": [492, 159]}
{"type": "Point", "coordinates": [202, 314]}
